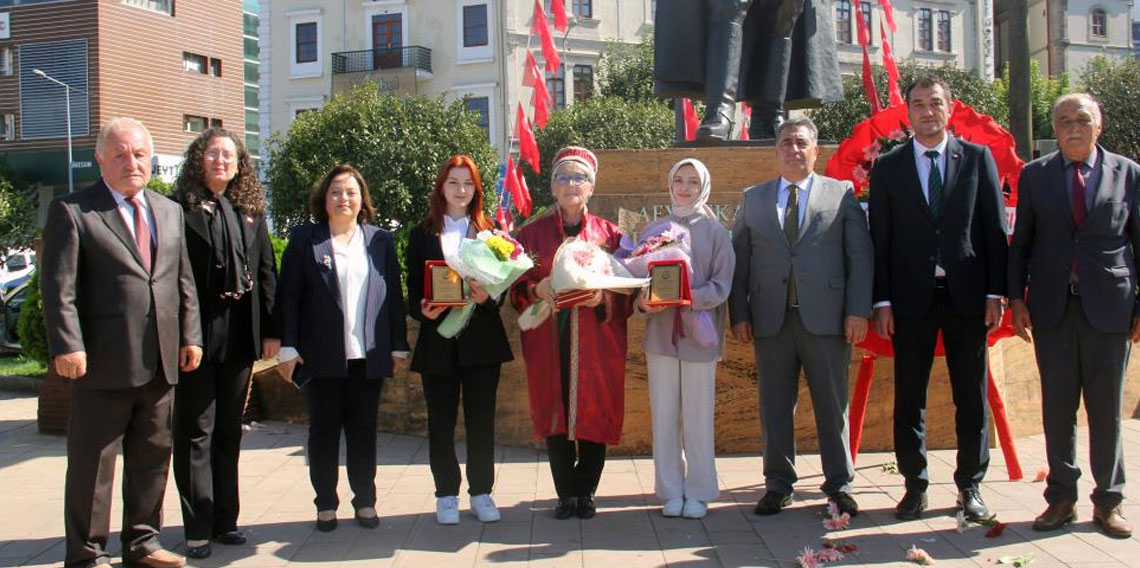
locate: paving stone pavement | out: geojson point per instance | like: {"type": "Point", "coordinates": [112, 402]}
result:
{"type": "Point", "coordinates": [629, 531]}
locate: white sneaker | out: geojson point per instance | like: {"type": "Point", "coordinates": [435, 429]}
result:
{"type": "Point", "coordinates": [484, 508]}
{"type": "Point", "coordinates": [447, 510]}
{"type": "Point", "coordinates": [672, 507]}
{"type": "Point", "coordinates": [694, 509]}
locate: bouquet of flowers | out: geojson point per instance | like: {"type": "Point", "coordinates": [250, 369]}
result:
{"type": "Point", "coordinates": [493, 259]}
{"type": "Point", "coordinates": [881, 145]}
{"type": "Point", "coordinates": [581, 265]}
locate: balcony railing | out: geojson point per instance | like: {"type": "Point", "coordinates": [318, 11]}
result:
{"type": "Point", "coordinates": [368, 60]}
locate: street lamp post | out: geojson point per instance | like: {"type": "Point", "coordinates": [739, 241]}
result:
{"type": "Point", "coordinates": [67, 109]}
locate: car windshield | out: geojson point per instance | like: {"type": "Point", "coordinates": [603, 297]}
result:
{"type": "Point", "coordinates": [15, 263]}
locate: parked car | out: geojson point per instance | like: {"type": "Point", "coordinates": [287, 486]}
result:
{"type": "Point", "coordinates": [10, 304]}
{"type": "Point", "coordinates": [17, 267]}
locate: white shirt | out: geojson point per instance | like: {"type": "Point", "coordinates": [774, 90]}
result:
{"type": "Point", "coordinates": [454, 230]}
{"type": "Point", "coordinates": [127, 212]}
{"type": "Point", "coordinates": [782, 195]}
{"type": "Point", "coordinates": [351, 262]}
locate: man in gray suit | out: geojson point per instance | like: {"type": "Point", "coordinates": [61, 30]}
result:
{"type": "Point", "coordinates": [1072, 280]}
{"type": "Point", "coordinates": [802, 288]}
{"type": "Point", "coordinates": [122, 319]}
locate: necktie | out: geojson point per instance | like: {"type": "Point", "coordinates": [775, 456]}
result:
{"type": "Point", "coordinates": [792, 232]}
{"type": "Point", "coordinates": [934, 184]}
{"type": "Point", "coordinates": [142, 232]}
{"type": "Point", "coordinates": [1080, 209]}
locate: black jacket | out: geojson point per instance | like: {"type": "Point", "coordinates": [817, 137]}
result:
{"type": "Point", "coordinates": [482, 342]}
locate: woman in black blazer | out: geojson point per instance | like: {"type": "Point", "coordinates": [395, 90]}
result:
{"type": "Point", "coordinates": [468, 363]}
{"type": "Point", "coordinates": [232, 259]}
{"type": "Point", "coordinates": [343, 327]}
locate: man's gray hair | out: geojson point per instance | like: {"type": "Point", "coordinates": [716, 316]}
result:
{"type": "Point", "coordinates": [118, 124]}
{"type": "Point", "coordinates": [1084, 99]}
{"type": "Point", "coordinates": [799, 122]}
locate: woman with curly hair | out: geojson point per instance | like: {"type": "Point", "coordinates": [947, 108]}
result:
{"type": "Point", "coordinates": [232, 258]}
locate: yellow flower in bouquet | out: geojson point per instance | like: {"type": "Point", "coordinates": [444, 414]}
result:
{"type": "Point", "coordinates": [502, 248]}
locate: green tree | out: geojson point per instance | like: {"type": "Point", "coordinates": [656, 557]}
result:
{"type": "Point", "coordinates": [161, 186]}
{"type": "Point", "coordinates": [599, 123]}
{"type": "Point", "coordinates": [1044, 90]}
{"type": "Point", "coordinates": [626, 70]}
{"type": "Point", "coordinates": [836, 120]}
{"type": "Point", "coordinates": [397, 142]}
{"type": "Point", "coordinates": [17, 211]}
{"type": "Point", "coordinates": [1116, 86]}
{"type": "Point", "coordinates": [31, 327]}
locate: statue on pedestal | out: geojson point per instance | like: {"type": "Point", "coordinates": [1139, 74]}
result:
{"type": "Point", "coordinates": [721, 51]}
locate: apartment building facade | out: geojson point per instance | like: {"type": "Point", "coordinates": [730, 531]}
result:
{"type": "Point", "coordinates": [470, 50]}
{"type": "Point", "coordinates": [176, 65]}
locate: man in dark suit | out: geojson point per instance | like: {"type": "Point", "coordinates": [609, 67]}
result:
{"type": "Point", "coordinates": [122, 319]}
{"type": "Point", "coordinates": [938, 224]}
{"type": "Point", "coordinates": [803, 287]}
{"type": "Point", "coordinates": [1072, 279]}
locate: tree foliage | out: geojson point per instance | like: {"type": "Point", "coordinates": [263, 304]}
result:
{"type": "Point", "coordinates": [161, 186]}
{"type": "Point", "coordinates": [17, 211]}
{"type": "Point", "coordinates": [599, 123]}
{"type": "Point", "coordinates": [1043, 91]}
{"type": "Point", "coordinates": [836, 120]}
{"type": "Point", "coordinates": [626, 71]}
{"type": "Point", "coordinates": [397, 142]}
{"type": "Point", "coordinates": [31, 327]}
{"type": "Point", "coordinates": [1116, 86]}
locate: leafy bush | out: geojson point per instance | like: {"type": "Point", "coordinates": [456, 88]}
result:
{"type": "Point", "coordinates": [599, 123]}
{"type": "Point", "coordinates": [159, 185]}
{"type": "Point", "coordinates": [1044, 90]}
{"type": "Point", "coordinates": [17, 211]}
{"type": "Point", "coordinates": [626, 71]}
{"type": "Point", "coordinates": [31, 327]}
{"type": "Point", "coordinates": [398, 144]}
{"type": "Point", "coordinates": [1116, 86]}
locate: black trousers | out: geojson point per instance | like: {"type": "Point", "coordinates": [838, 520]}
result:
{"type": "Point", "coordinates": [139, 417]}
{"type": "Point", "coordinates": [964, 338]}
{"type": "Point", "coordinates": [1075, 360]}
{"type": "Point", "coordinates": [478, 386]}
{"type": "Point", "coordinates": [208, 407]}
{"type": "Point", "coordinates": [347, 404]}
{"type": "Point", "coordinates": [575, 465]}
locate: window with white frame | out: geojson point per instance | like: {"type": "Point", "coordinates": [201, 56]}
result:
{"type": "Point", "coordinates": [193, 123]}
{"type": "Point", "coordinates": [944, 31]}
{"type": "Point", "coordinates": [305, 54]}
{"type": "Point", "coordinates": [160, 6]}
{"type": "Point", "coordinates": [583, 82]}
{"type": "Point", "coordinates": [583, 9]}
{"type": "Point", "coordinates": [556, 86]}
{"type": "Point", "coordinates": [925, 29]}
{"type": "Point", "coordinates": [8, 127]}
{"type": "Point", "coordinates": [6, 60]}
{"type": "Point", "coordinates": [300, 105]}
{"type": "Point", "coordinates": [843, 21]}
{"type": "Point", "coordinates": [193, 62]}
{"type": "Point", "coordinates": [865, 12]}
{"type": "Point", "coordinates": [482, 107]}
{"type": "Point", "coordinates": [475, 24]}
{"type": "Point", "coordinates": [480, 99]}
{"type": "Point", "coordinates": [1098, 23]}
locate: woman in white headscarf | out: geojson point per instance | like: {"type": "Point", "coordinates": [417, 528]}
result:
{"type": "Point", "coordinates": [683, 345]}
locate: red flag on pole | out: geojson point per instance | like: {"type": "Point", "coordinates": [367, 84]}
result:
{"type": "Point", "coordinates": [522, 200]}
{"type": "Point", "coordinates": [862, 28]}
{"type": "Point", "coordinates": [503, 218]}
{"type": "Point", "coordinates": [531, 74]}
{"type": "Point", "coordinates": [528, 146]}
{"type": "Point", "coordinates": [539, 27]}
{"type": "Point", "coordinates": [889, 11]}
{"type": "Point", "coordinates": [893, 92]}
{"type": "Point", "coordinates": [869, 84]}
{"type": "Point", "coordinates": [558, 8]}
{"type": "Point", "coordinates": [541, 104]}
{"type": "Point", "coordinates": [692, 121]}
{"type": "Point", "coordinates": [746, 110]}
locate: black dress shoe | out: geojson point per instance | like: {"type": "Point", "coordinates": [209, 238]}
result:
{"type": "Point", "coordinates": [199, 552]}
{"type": "Point", "coordinates": [232, 538]}
{"type": "Point", "coordinates": [773, 502]}
{"type": "Point", "coordinates": [566, 507]}
{"type": "Point", "coordinates": [326, 526]}
{"type": "Point", "coordinates": [368, 522]}
{"type": "Point", "coordinates": [586, 507]}
{"type": "Point", "coordinates": [970, 502]}
{"type": "Point", "coordinates": [845, 503]}
{"type": "Point", "coordinates": [911, 506]}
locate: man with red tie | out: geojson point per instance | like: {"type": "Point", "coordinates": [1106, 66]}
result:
{"type": "Point", "coordinates": [1072, 280]}
{"type": "Point", "coordinates": [122, 318]}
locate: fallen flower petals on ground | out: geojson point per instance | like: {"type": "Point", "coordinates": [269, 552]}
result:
{"type": "Point", "coordinates": [996, 530]}
{"type": "Point", "coordinates": [807, 558]}
{"type": "Point", "coordinates": [1016, 561]}
{"type": "Point", "coordinates": [919, 556]}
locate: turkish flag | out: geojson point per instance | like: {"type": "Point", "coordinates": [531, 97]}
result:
{"type": "Point", "coordinates": [528, 146]}
{"type": "Point", "coordinates": [746, 110]}
{"type": "Point", "coordinates": [558, 8]}
{"type": "Point", "coordinates": [541, 104]}
{"type": "Point", "coordinates": [540, 28]}
{"type": "Point", "coordinates": [522, 197]}
{"type": "Point", "coordinates": [531, 74]}
{"type": "Point", "coordinates": [692, 121]}
{"type": "Point", "coordinates": [869, 84]}
{"type": "Point", "coordinates": [889, 11]}
{"type": "Point", "coordinates": [892, 70]}
{"type": "Point", "coordinates": [862, 28]}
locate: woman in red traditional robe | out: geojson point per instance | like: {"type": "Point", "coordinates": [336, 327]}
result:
{"type": "Point", "coordinates": [575, 360]}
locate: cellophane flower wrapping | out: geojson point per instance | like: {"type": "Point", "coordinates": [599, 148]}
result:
{"type": "Point", "coordinates": [665, 242]}
{"type": "Point", "coordinates": [581, 265]}
{"type": "Point", "coordinates": [493, 259]}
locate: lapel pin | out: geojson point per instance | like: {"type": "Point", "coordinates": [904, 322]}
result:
{"type": "Point", "coordinates": [327, 261]}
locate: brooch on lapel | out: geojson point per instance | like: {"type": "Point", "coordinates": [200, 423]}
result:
{"type": "Point", "coordinates": [208, 207]}
{"type": "Point", "coordinates": [249, 219]}
{"type": "Point", "coordinates": [327, 261]}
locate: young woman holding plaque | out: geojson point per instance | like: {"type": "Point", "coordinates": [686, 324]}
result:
{"type": "Point", "coordinates": [342, 332]}
{"type": "Point", "coordinates": [683, 344]}
{"type": "Point", "coordinates": [467, 364]}
{"type": "Point", "coordinates": [575, 359]}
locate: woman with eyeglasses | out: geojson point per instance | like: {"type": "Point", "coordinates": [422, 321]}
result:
{"type": "Point", "coordinates": [575, 360]}
{"type": "Point", "coordinates": [467, 364]}
{"type": "Point", "coordinates": [232, 259]}
{"type": "Point", "coordinates": [683, 344]}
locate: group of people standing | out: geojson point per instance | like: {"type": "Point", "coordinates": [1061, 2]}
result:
{"type": "Point", "coordinates": [158, 309]}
